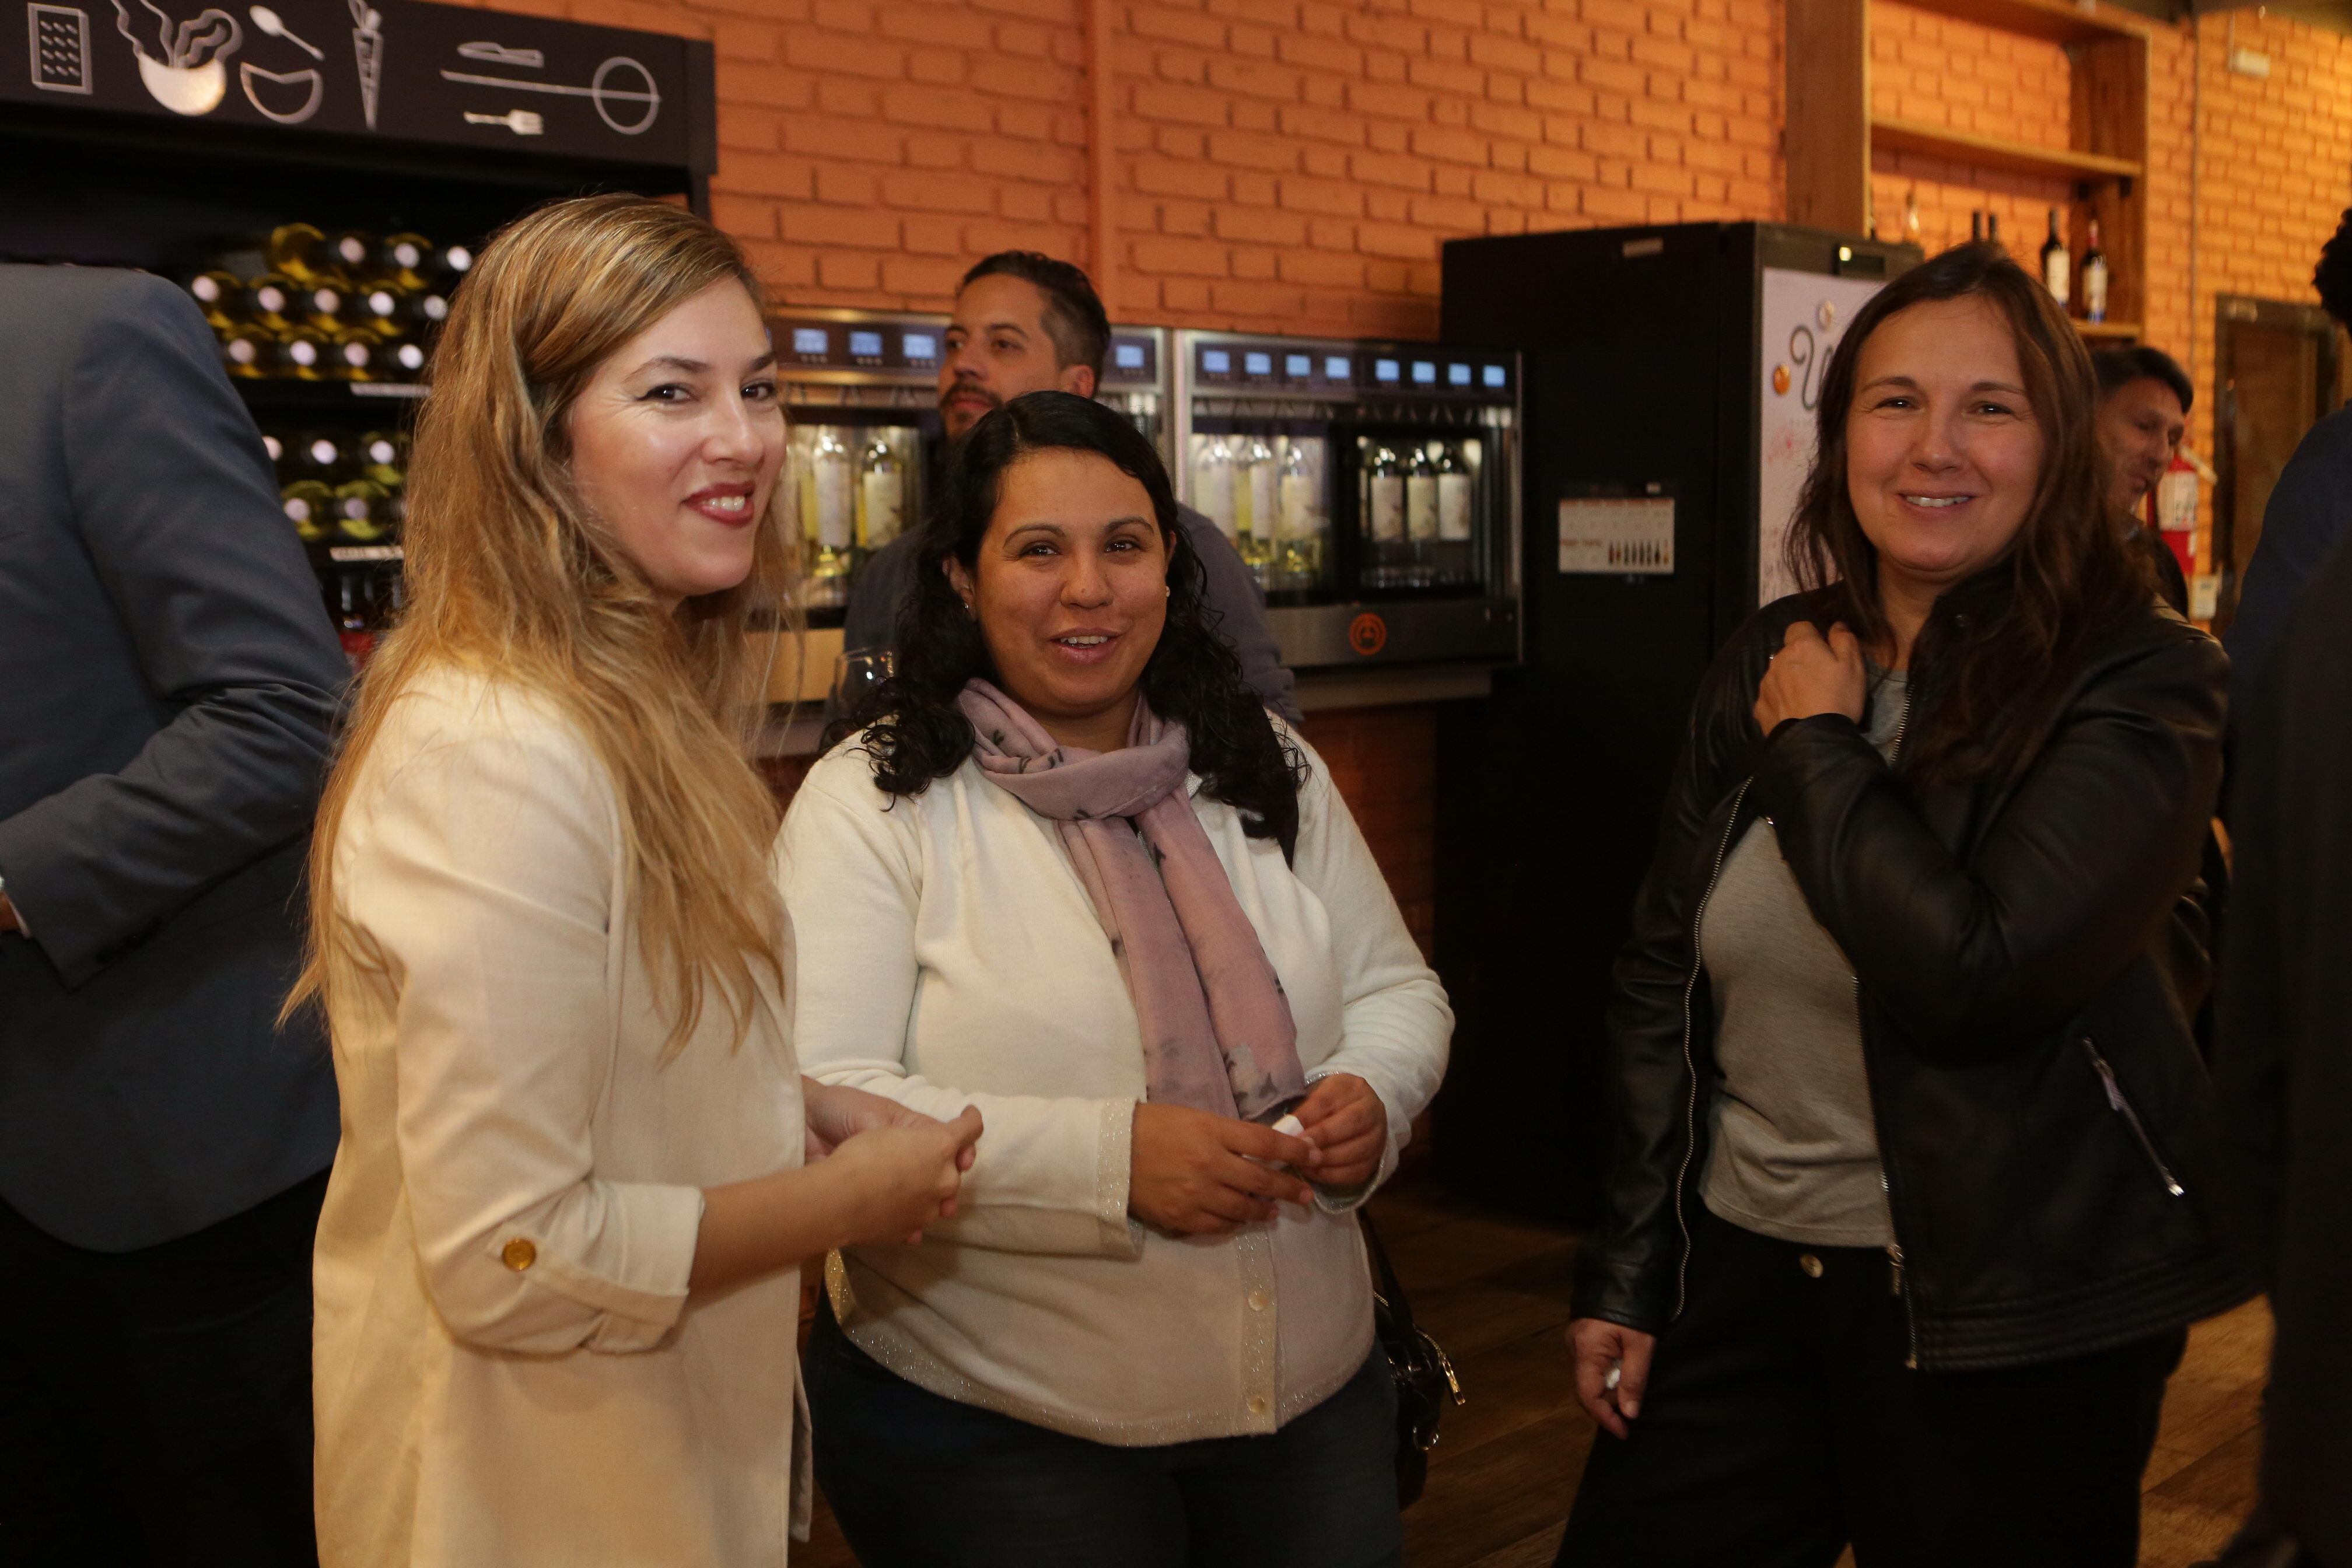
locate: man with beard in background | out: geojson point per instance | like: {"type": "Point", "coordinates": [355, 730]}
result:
{"type": "Point", "coordinates": [1026, 322]}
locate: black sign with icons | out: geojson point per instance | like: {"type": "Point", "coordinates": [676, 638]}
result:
{"type": "Point", "coordinates": [399, 70]}
{"type": "Point", "coordinates": [1413, 368]}
{"type": "Point", "coordinates": [857, 345]}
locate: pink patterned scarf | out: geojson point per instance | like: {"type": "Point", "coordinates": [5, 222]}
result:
{"type": "Point", "coordinates": [1217, 1030]}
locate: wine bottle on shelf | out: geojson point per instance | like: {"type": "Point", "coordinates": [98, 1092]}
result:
{"type": "Point", "coordinates": [354, 251]}
{"type": "Point", "coordinates": [275, 448]}
{"type": "Point", "coordinates": [298, 252]}
{"type": "Point", "coordinates": [2094, 277]}
{"type": "Point", "coordinates": [408, 261]}
{"type": "Point", "coordinates": [1213, 485]}
{"type": "Point", "coordinates": [310, 505]}
{"type": "Point", "coordinates": [1992, 227]}
{"type": "Point", "coordinates": [1911, 215]}
{"type": "Point", "coordinates": [319, 455]}
{"type": "Point", "coordinates": [321, 308]}
{"type": "Point", "coordinates": [306, 354]}
{"type": "Point", "coordinates": [249, 353]}
{"type": "Point", "coordinates": [1976, 225]}
{"type": "Point", "coordinates": [273, 302]}
{"type": "Point", "coordinates": [221, 296]}
{"type": "Point", "coordinates": [384, 458]}
{"type": "Point", "coordinates": [359, 354]}
{"type": "Point", "coordinates": [2057, 265]}
{"type": "Point", "coordinates": [363, 512]}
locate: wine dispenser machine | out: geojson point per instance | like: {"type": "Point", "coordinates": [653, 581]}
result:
{"type": "Point", "coordinates": [1373, 487]}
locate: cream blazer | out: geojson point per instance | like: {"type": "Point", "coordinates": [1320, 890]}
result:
{"type": "Point", "coordinates": [508, 1369]}
{"type": "Point", "coordinates": [948, 955]}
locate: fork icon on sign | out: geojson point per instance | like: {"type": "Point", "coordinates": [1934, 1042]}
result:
{"type": "Point", "coordinates": [521, 121]}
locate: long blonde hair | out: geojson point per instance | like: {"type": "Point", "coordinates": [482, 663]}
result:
{"type": "Point", "coordinates": [510, 575]}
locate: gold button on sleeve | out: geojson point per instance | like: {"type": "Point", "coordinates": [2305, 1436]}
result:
{"type": "Point", "coordinates": [1810, 1265]}
{"type": "Point", "coordinates": [519, 1254]}
{"type": "Point", "coordinates": [1259, 1404]}
{"type": "Point", "coordinates": [1259, 1301]}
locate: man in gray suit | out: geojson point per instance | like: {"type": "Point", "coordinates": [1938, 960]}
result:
{"type": "Point", "coordinates": [168, 686]}
{"type": "Point", "coordinates": [1026, 322]}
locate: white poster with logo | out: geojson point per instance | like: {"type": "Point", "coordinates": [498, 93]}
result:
{"type": "Point", "coordinates": [1804, 315]}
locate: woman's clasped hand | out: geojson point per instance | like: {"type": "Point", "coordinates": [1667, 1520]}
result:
{"type": "Point", "coordinates": [1812, 675]}
{"type": "Point", "coordinates": [898, 1169]}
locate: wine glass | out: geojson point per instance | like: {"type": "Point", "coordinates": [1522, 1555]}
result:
{"type": "Point", "coordinates": [855, 674]}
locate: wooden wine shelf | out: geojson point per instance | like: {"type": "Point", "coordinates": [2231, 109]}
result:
{"type": "Point", "coordinates": [1992, 152]}
{"type": "Point", "coordinates": [2052, 20]}
{"type": "Point", "coordinates": [2108, 328]}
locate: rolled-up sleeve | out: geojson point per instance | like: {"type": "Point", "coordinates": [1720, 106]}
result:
{"type": "Point", "coordinates": [483, 880]}
{"type": "Point", "coordinates": [1396, 1025]}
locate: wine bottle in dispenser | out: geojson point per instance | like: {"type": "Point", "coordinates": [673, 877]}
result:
{"type": "Point", "coordinates": [1385, 515]}
{"type": "Point", "coordinates": [1212, 484]}
{"type": "Point", "coordinates": [881, 494]}
{"type": "Point", "coordinates": [1255, 493]}
{"type": "Point", "coordinates": [1420, 514]}
{"type": "Point", "coordinates": [1302, 523]}
{"type": "Point", "coordinates": [832, 517]}
{"type": "Point", "coordinates": [1454, 515]}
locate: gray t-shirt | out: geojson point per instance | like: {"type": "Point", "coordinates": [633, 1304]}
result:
{"type": "Point", "coordinates": [1795, 1149]}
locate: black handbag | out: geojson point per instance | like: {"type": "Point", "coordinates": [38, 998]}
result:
{"type": "Point", "coordinates": [1418, 1366]}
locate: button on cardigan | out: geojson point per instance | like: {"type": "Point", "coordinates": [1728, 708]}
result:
{"type": "Point", "coordinates": [946, 955]}
{"type": "Point", "coordinates": [509, 1371]}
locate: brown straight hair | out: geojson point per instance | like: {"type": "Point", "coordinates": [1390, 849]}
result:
{"type": "Point", "coordinates": [1998, 673]}
{"type": "Point", "coordinates": [510, 575]}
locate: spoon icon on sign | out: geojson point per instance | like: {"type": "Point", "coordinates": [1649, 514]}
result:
{"type": "Point", "coordinates": [269, 22]}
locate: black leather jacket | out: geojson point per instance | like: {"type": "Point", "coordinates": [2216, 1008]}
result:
{"type": "Point", "coordinates": [2027, 957]}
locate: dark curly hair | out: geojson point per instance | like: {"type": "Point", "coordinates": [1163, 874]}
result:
{"type": "Point", "coordinates": [2001, 648]}
{"type": "Point", "coordinates": [2333, 276]}
{"type": "Point", "coordinates": [913, 730]}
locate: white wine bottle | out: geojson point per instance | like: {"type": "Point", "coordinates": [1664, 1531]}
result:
{"type": "Point", "coordinates": [2094, 277]}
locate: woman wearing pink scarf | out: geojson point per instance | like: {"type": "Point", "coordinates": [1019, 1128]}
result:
{"type": "Point", "coordinates": [1071, 873]}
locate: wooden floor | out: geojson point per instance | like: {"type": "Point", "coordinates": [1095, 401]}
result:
{"type": "Point", "coordinates": [1495, 1293]}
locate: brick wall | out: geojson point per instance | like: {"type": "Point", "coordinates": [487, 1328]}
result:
{"type": "Point", "coordinates": [1277, 164]}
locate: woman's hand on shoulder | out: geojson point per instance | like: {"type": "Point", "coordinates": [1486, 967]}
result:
{"type": "Point", "coordinates": [1349, 1123]}
{"type": "Point", "coordinates": [1194, 1173]}
{"type": "Point", "coordinates": [1812, 675]}
{"type": "Point", "coordinates": [898, 1177]}
{"type": "Point", "coordinates": [1600, 1348]}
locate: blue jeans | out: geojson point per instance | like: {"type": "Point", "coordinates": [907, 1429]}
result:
{"type": "Point", "coordinates": [920, 1481]}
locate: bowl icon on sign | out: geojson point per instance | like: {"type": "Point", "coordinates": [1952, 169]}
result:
{"type": "Point", "coordinates": [188, 76]}
{"type": "Point", "coordinates": [184, 89]}
{"type": "Point", "coordinates": [1368, 634]}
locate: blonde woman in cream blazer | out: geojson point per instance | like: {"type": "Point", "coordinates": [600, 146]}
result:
{"type": "Point", "coordinates": [1132, 1344]}
{"type": "Point", "coordinates": [556, 1275]}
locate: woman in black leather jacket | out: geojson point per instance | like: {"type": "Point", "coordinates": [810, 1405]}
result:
{"type": "Point", "coordinates": [1908, 1209]}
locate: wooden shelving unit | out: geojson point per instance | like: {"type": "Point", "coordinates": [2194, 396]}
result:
{"type": "Point", "coordinates": [1831, 132]}
{"type": "Point", "coordinates": [1992, 152]}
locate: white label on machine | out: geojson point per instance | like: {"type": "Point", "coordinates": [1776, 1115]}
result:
{"type": "Point", "coordinates": [1613, 535]}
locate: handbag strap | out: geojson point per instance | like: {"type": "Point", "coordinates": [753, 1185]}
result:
{"type": "Point", "coordinates": [1384, 1278]}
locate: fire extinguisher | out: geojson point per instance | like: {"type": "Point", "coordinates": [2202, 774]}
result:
{"type": "Point", "coordinates": [2174, 501]}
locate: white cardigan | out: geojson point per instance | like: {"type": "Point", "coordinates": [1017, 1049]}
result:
{"type": "Point", "coordinates": [948, 955]}
{"type": "Point", "coordinates": [509, 1371]}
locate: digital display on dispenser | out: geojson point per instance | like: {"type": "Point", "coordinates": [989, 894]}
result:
{"type": "Point", "coordinates": [1216, 361]}
{"type": "Point", "coordinates": [1127, 356]}
{"type": "Point", "coordinates": [1457, 375]}
{"type": "Point", "coordinates": [1335, 368]}
{"type": "Point", "coordinates": [1424, 373]}
{"type": "Point", "coordinates": [1386, 370]}
{"type": "Point", "coordinates": [865, 345]}
{"type": "Point", "coordinates": [1257, 364]}
{"type": "Point", "coordinates": [812, 340]}
{"type": "Point", "coordinates": [1299, 367]}
{"type": "Point", "coordinates": [1497, 375]}
{"type": "Point", "coordinates": [919, 348]}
